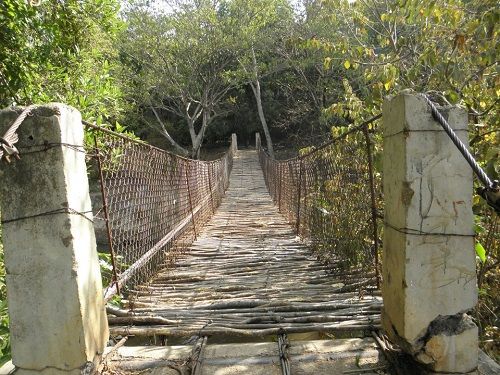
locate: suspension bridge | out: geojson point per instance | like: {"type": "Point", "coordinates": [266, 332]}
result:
{"type": "Point", "coordinates": [247, 273]}
{"type": "Point", "coordinates": [244, 264]}
{"type": "Point", "coordinates": [236, 268]}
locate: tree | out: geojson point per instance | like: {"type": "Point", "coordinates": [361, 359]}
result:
{"type": "Point", "coordinates": [180, 62]}
{"type": "Point", "coordinates": [261, 27]}
{"type": "Point", "coordinates": [444, 46]}
{"type": "Point", "coordinates": [61, 51]}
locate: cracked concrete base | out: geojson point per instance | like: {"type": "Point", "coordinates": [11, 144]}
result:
{"type": "Point", "coordinates": [450, 345]}
{"type": "Point", "coordinates": [486, 366]}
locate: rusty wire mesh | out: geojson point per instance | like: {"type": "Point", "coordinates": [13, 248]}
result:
{"type": "Point", "coordinates": [152, 201]}
{"type": "Point", "coordinates": [330, 196]}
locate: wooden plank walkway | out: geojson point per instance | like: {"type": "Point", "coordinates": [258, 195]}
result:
{"type": "Point", "coordinates": [248, 274]}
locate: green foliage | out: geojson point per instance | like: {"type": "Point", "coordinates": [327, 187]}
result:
{"type": "Point", "coordinates": [339, 199]}
{"type": "Point", "coordinates": [4, 333]}
{"type": "Point", "coordinates": [107, 272]}
{"type": "Point", "coordinates": [449, 48]}
{"type": "Point", "coordinates": [61, 51]}
{"type": "Point", "coordinates": [179, 65]}
{"type": "Point", "coordinates": [480, 252]}
{"type": "Point", "coordinates": [106, 267]}
{"type": "Point", "coordinates": [487, 229]}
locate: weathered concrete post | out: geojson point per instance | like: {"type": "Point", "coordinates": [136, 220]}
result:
{"type": "Point", "coordinates": [234, 142]}
{"type": "Point", "coordinates": [429, 279]}
{"type": "Point", "coordinates": [54, 290]}
{"type": "Point", "coordinates": [257, 141]}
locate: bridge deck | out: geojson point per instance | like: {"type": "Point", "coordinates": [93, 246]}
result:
{"type": "Point", "coordinates": [248, 274]}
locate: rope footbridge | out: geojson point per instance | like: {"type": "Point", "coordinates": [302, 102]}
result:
{"type": "Point", "coordinates": [248, 274]}
{"type": "Point", "coordinates": [192, 259]}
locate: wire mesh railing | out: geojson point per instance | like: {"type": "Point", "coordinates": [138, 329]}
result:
{"type": "Point", "coordinates": [152, 201]}
{"type": "Point", "coordinates": [331, 195]}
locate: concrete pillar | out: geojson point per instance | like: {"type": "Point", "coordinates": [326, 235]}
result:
{"type": "Point", "coordinates": [429, 278]}
{"type": "Point", "coordinates": [234, 142]}
{"type": "Point", "coordinates": [57, 316]}
{"type": "Point", "coordinates": [257, 141]}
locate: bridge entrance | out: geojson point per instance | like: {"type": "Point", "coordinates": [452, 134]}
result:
{"type": "Point", "coordinates": [201, 266]}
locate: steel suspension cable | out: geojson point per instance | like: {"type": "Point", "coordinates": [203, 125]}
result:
{"type": "Point", "coordinates": [491, 191]}
{"type": "Point", "coordinates": [483, 177]}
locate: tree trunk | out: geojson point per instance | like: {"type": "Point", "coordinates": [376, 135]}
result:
{"type": "Point", "coordinates": [181, 150]}
{"type": "Point", "coordinates": [191, 120]}
{"type": "Point", "coordinates": [198, 139]}
{"type": "Point", "coordinates": [262, 118]}
{"type": "Point", "coordinates": [258, 98]}
{"type": "Point", "coordinates": [195, 152]}
{"type": "Point", "coordinates": [192, 134]}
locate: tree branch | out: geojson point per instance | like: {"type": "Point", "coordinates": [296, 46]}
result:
{"type": "Point", "coordinates": [165, 133]}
